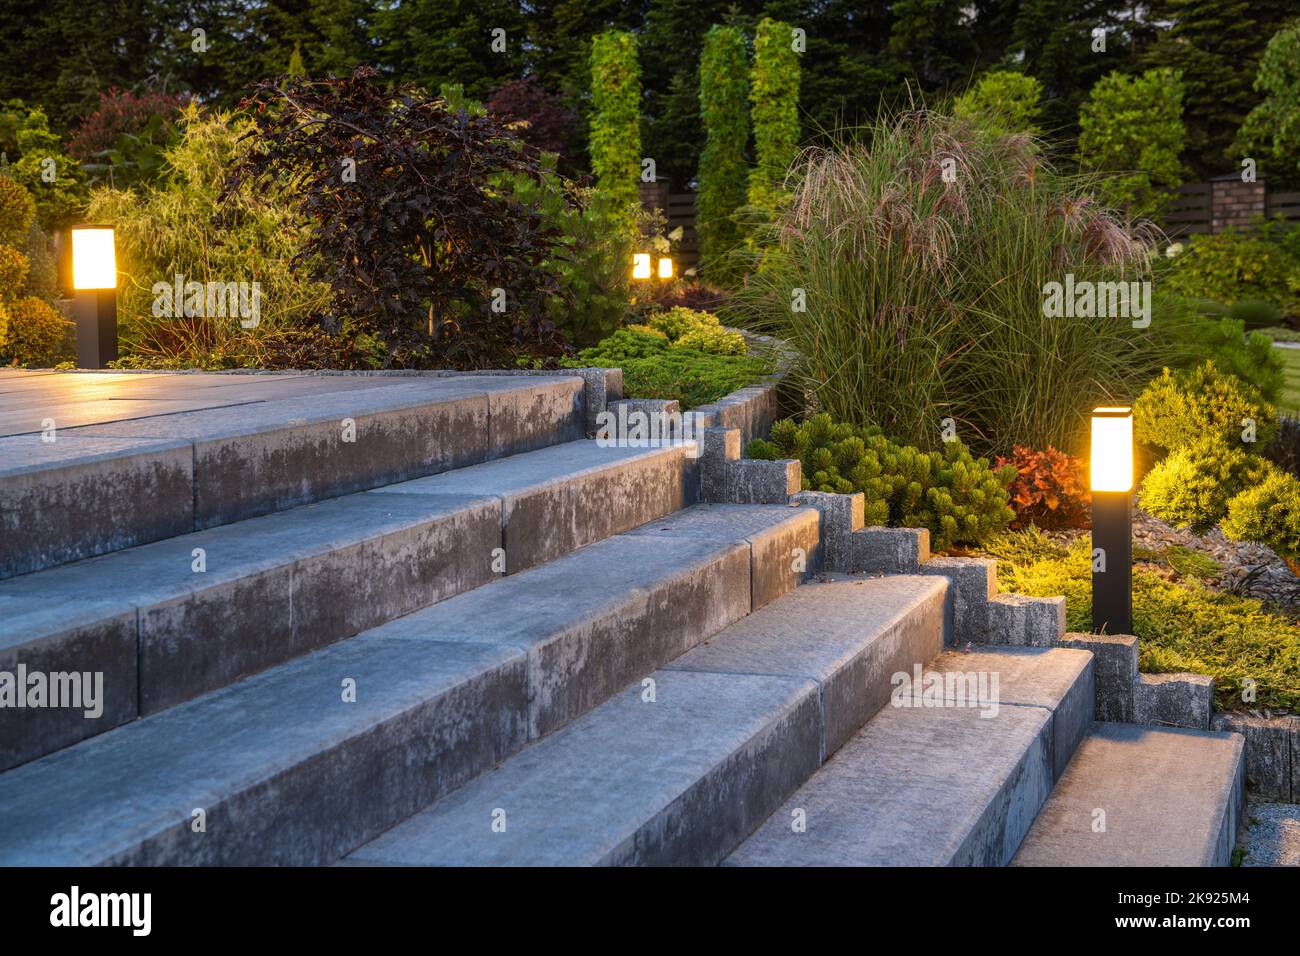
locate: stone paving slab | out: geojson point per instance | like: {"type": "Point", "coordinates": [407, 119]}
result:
{"type": "Point", "coordinates": [1171, 797]}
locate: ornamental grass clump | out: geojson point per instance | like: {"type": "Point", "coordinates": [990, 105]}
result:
{"type": "Point", "coordinates": [910, 270]}
{"type": "Point", "coordinates": [958, 497]}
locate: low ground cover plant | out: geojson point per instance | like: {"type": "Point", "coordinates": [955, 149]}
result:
{"type": "Point", "coordinates": [958, 497]}
{"type": "Point", "coordinates": [1182, 625]}
{"type": "Point", "coordinates": [654, 368]}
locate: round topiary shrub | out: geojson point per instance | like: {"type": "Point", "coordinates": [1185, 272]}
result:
{"type": "Point", "coordinates": [32, 332]}
{"type": "Point", "coordinates": [1177, 410]}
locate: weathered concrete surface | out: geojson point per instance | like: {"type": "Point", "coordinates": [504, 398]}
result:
{"type": "Point", "coordinates": [841, 516]}
{"type": "Point", "coordinates": [725, 477]}
{"type": "Point", "coordinates": [560, 498]}
{"type": "Point", "coordinates": [597, 619]}
{"type": "Point", "coordinates": [849, 635]}
{"type": "Point", "coordinates": [972, 583]}
{"type": "Point", "coordinates": [1116, 657]}
{"type": "Point", "coordinates": [1174, 700]}
{"type": "Point", "coordinates": [890, 550]}
{"type": "Point", "coordinates": [935, 786]}
{"type": "Point", "coordinates": [783, 541]}
{"type": "Point", "coordinates": [87, 636]}
{"type": "Point", "coordinates": [1170, 797]}
{"type": "Point", "coordinates": [750, 411]}
{"type": "Point", "coordinates": [79, 496]}
{"type": "Point", "coordinates": [679, 780]}
{"type": "Point", "coordinates": [1020, 621]}
{"type": "Point", "coordinates": [272, 588]}
{"type": "Point", "coordinates": [286, 770]}
{"type": "Point", "coordinates": [1057, 679]}
{"type": "Point", "coordinates": [1272, 753]}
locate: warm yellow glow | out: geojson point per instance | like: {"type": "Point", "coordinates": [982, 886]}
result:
{"type": "Point", "coordinates": [641, 265]}
{"type": "Point", "coordinates": [1112, 449]}
{"type": "Point", "coordinates": [94, 265]}
{"type": "Point", "coordinates": [665, 268]}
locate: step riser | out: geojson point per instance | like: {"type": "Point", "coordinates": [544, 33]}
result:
{"type": "Point", "coordinates": [314, 811]}
{"type": "Point", "coordinates": [61, 514]}
{"type": "Point", "coordinates": [1008, 816]}
{"type": "Point", "coordinates": [192, 483]}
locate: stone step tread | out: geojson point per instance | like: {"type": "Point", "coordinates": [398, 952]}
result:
{"type": "Point", "coordinates": [645, 782]}
{"type": "Point", "coordinates": [1171, 797]}
{"type": "Point", "coordinates": [933, 785]}
{"type": "Point", "coordinates": [573, 620]}
{"type": "Point", "coordinates": [274, 412]}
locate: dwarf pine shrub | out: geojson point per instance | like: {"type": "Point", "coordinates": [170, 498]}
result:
{"type": "Point", "coordinates": [1179, 409]}
{"type": "Point", "coordinates": [958, 497]}
{"type": "Point", "coordinates": [1193, 485]}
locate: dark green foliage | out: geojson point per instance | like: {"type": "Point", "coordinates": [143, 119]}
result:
{"type": "Point", "coordinates": [1256, 313]}
{"type": "Point", "coordinates": [419, 248]}
{"type": "Point", "coordinates": [1179, 409]}
{"type": "Point", "coordinates": [1271, 131]}
{"type": "Point", "coordinates": [960, 499]}
{"type": "Point", "coordinates": [654, 369]}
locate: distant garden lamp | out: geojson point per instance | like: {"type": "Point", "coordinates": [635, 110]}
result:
{"type": "Point", "coordinates": [665, 268]}
{"type": "Point", "coordinates": [641, 265]}
{"type": "Point", "coordinates": [1112, 520]}
{"type": "Point", "coordinates": [94, 295]}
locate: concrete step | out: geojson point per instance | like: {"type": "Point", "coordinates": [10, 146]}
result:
{"type": "Point", "coordinates": [684, 762]}
{"type": "Point", "coordinates": [931, 784]}
{"type": "Point", "coordinates": [1143, 796]}
{"type": "Point", "coordinates": [286, 769]}
{"type": "Point", "coordinates": [69, 492]}
{"type": "Point", "coordinates": [281, 585]}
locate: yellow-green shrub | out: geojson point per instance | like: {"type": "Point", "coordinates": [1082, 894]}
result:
{"type": "Point", "coordinates": [1193, 485]}
{"type": "Point", "coordinates": [31, 331]}
{"type": "Point", "coordinates": [1268, 511]}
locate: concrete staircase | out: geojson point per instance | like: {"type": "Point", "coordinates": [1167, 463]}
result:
{"type": "Point", "coordinates": [487, 640]}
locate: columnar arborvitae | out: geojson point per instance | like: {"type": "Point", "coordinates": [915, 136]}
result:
{"type": "Point", "coordinates": [615, 142]}
{"type": "Point", "coordinates": [774, 95]}
{"type": "Point", "coordinates": [724, 91]}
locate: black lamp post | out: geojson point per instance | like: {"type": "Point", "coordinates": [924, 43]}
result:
{"type": "Point", "coordinates": [94, 295]}
{"type": "Point", "coordinates": [1112, 520]}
